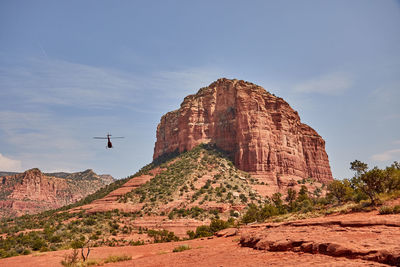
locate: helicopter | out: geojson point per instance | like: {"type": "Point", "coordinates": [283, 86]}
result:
{"type": "Point", "coordinates": [109, 144]}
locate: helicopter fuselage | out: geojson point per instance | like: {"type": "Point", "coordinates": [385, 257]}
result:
{"type": "Point", "coordinates": [108, 137]}
{"type": "Point", "coordinates": [109, 144]}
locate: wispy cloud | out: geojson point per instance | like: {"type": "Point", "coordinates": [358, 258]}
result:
{"type": "Point", "coordinates": [329, 84]}
{"type": "Point", "coordinates": [64, 83]}
{"type": "Point", "coordinates": [49, 109]}
{"type": "Point", "coordinates": [387, 155]}
{"type": "Point", "coordinates": [387, 93]}
{"type": "Point", "coordinates": [385, 101]}
{"type": "Point", "coordinates": [11, 165]}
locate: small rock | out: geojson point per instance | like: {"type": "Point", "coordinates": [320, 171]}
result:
{"type": "Point", "coordinates": [227, 232]}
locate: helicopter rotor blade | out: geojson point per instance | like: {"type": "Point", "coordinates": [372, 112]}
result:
{"type": "Point", "coordinates": [116, 137]}
{"type": "Point", "coordinates": [99, 137]}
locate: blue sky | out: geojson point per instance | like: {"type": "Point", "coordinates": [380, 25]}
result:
{"type": "Point", "coordinates": [71, 70]}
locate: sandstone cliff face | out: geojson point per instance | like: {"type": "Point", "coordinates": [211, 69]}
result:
{"type": "Point", "coordinates": [261, 131]}
{"type": "Point", "coordinates": [32, 191]}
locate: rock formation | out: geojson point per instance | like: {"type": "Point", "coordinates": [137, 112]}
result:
{"type": "Point", "coordinates": [262, 132]}
{"type": "Point", "coordinates": [32, 191]}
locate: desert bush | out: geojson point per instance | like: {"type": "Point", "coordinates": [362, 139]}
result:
{"type": "Point", "coordinates": [181, 248]}
{"type": "Point", "coordinates": [71, 260]}
{"type": "Point", "coordinates": [372, 183]}
{"type": "Point", "coordinates": [392, 174]}
{"type": "Point", "coordinates": [136, 243]}
{"type": "Point", "coordinates": [305, 206]}
{"type": "Point", "coordinates": [389, 210]}
{"type": "Point", "coordinates": [162, 236]}
{"type": "Point", "coordinates": [209, 230]}
{"type": "Point", "coordinates": [291, 195]}
{"type": "Point", "coordinates": [76, 244]}
{"type": "Point", "coordinates": [234, 213]}
{"type": "Point", "coordinates": [252, 214]}
{"type": "Point", "coordinates": [267, 211]}
{"type": "Point", "coordinates": [386, 210]}
{"type": "Point", "coordinates": [38, 244]}
{"type": "Point", "coordinates": [89, 221]}
{"type": "Point", "coordinates": [243, 198]}
{"type": "Point", "coordinates": [117, 258]}
{"type": "Point", "coordinates": [340, 190]}
{"type": "Point", "coordinates": [396, 209]}
{"type": "Point", "coordinates": [193, 212]}
{"type": "Point", "coordinates": [217, 225]}
{"type": "Point", "coordinates": [260, 213]}
{"type": "Point", "coordinates": [359, 195]}
{"type": "Point", "coordinates": [191, 234]}
{"type": "Point", "coordinates": [203, 231]}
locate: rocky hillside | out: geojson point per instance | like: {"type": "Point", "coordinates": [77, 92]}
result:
{"type": "Point", "coordinates": [32, 191]}
{"type": "Point", "coordinates": [261, 132]}
{"type": "Point", "coordinates": [195, 184]}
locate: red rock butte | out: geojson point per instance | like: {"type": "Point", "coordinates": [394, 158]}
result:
{"type": "Point", "coordinates": [261, 131]}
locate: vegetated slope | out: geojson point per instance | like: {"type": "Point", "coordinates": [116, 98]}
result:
{"type": "Point", "coordinates": [198, 181]}
{"type": "Point", "coordinates": [203, 177]}
{"type": "Point", "coordinates": [32, 191]}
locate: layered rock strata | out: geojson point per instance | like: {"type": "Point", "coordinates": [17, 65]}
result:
{"type": "Point", "coordinates": [32, 191]}
{"type": "Point", "coordinates": [261, 131]}
{"type": "Point", "coordinates": [366, 236]}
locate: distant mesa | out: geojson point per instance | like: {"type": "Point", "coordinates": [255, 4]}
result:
{"type": "Point", "coordinates": [261, 132]}
{"type": "Point", "coordinates": [33, 191]}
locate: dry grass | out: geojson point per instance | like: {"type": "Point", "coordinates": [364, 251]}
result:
{"type": "Point", "coordinates": [181, 248]}
{"type": "Point", "coordinates": [117, 258]}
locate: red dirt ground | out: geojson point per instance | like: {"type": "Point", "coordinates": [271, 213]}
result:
{"type": "Point", "coordinates": [207, 252]}
{"type": "Point", "coordinates": [374, 237]}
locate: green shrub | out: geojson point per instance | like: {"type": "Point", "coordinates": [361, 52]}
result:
{"type": "Point", "coordinates": [359, 195]}
{"type": "Point", "coordinates": [117, 258]}
{"type": "Point", "coordinates": [162, 236]}
{"type": "Point", "coordinates": [234, 213]}
{"type": "Point", "coordinates": [306, 206]}
{"type": "Point", "coordinates": [209, 230]}
{"type": "Point", "coordinates": [191, 234]}
{"type": "Point", "coordinates": [396, 209]}
{"type": "Point", "coordinates": [385, 210]}
{"type": "Point", "coordinates": [136, 243]}
{"type": "Point", "coordinates": [181, 248]}
{"type": "Point", "coordinates": [203, 231]}
{"type": "Point", "coordinates": [89, 221]}
{"type": "Point", "coordinates": [55, 239]}
{"type": "Point", "coordinates": [70, 260]}
{"type": "Point", "coordinates": [76, 244]}
{"type": "Point", "coordinates": [340, 190]}
{"type": "Point", "coordinates": [38, 244]}
{"type": "Point", "coordinates": [260, 213]}
{"type": "Point", "coordinates": [217, 225]}
{"type": "Point", "coordinates": [268, 211]}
